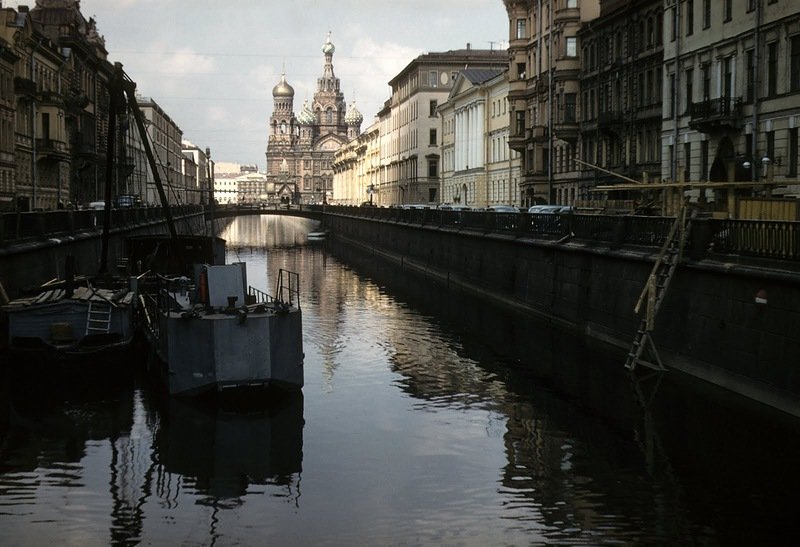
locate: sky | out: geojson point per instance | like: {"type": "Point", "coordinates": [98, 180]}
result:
{"type": "Point", "coordinates": [212, 64]}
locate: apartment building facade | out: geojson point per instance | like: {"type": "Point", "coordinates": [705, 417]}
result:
{"type": "Point", "coordinates": [410, 128]}
{"type": "Point", "coordinates": [544, 86]}
{"type": "Point", "coordinates": [732, 94]}
{"type": "Point", "coordinates": [166, 140]}
{"type": "Point", "coordinates": [621, 94]}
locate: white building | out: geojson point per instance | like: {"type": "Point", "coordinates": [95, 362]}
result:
{"type": "Point", "coordinates": [356, 167]}
{"type": "Point", "coordinates": [410, 129]}
{"type": "Point", "coordinates": [478, 167]}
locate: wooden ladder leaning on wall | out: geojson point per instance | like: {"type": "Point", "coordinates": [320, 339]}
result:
{"type": "Point", "coordinates": [654, 291]}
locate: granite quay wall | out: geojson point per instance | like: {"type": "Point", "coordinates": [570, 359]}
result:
{"type": "Point", "coordinates": [34, 246]}
{"type": "Point", "coordinates": [727, 318]}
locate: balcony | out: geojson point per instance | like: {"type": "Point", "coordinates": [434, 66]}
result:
{"type": "Point", "coordinates": [610, 121]}
{"type": "Point", "coordinates": [723, 114]}
{"type": "Point", "coordinates": [539, 133]}
{"type": "Point", "coordinates": [84, 149]}
{"type": "Point", "coordinates": [24, 87]}
{"type": "Point", "coordinates": [519, 140]}
{"type": "Point", "coordinates": [567, 131]}
{"type": "Point", "coordinates": [51, 149]}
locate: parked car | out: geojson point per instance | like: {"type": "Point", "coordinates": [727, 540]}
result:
{"type": "Point", "coordinates": [415, 206]}
{"type": "Point", "coordinates": [545, 209]}
{"type": "Point", "coordinates": [502, 209]}
{"type": "Point", "coordinates": [97, 205]}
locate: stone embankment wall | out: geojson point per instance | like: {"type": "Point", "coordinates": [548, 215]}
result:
{"type": "Point", "coordinates": [723, 320]}
{"type": "Point", "coordinates": [29, 263]}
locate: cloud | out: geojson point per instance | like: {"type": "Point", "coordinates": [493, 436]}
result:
{"type": "Point", "coordinates": [186, 61]}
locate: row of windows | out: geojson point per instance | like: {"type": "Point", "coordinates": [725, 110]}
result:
{"type": "Point", "coordinates": [522, 23]}
{"type": "Point", "coordinates": [689, 14]}
{"type": "Point", "coordinates": [621, 94]}
{"type": "Point", "coordinates": [636, 37]}
{"type": "Point", "coordinates": [784, 158]}
{"type": "Point", "coordinates": [728, 84]}
{"type": "Point", "coordinates": [434, 81]}
{"type": "Point", "coordinates": [641, 148]}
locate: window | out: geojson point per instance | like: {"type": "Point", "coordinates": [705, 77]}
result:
{"type": "Point", "coordinates": [727, 83]}
{"type": "Point", "coordinates": [520, 119]}
{"type": "Point", "coordinates": [689, 88]}
{"type": "Point", "coordinates": [792, 167]}
{"type": "Point", "coordinates": [572, 46]}
{"type": "Point", "coordinates": [433, 137]}
{"type": "Point", "coordinates": [521, 29]}
{"type": "Point", "coordinates": [689, 17]}
{"type": "Point", "coordinates": [703, 160]}
{"type": "Point", "coordinates": [641, 89]}
{"type": "Point", "coordinates": [751, 5]}
{"type": "Point", "coordinates": [706, 14]}
{"type": "Point", "coordinates": [687, 161]}
{"type": "Point", "coordinates": [570, 105]}
{"type": "Point", "coordinates": [728, 11]}
{"type": "Point", "coordinates": [432, 108]}
{"type": "Point", "coordinates": [772, 69]}
{"type": "Point", "coordinates": [673, 99]}
{"type": "Point", "coordinates": [706, 81]}
{"type": "Point", "coordinates": [433, 168]}
{"type": "Point", "coordinates": [520, 71]}
{"type": "Point", "coordinates": [674, 16]}
{"type": "Point", "coordinates": [572, 4]}
{"type": "Point", "coordinates": [749, 72]}
{"type": "Point", "coordinates": [771, 145]}
{"type": "Point", "coordinates": [433, 78]}
{"type": "Point", "coordinates": [794, 72]}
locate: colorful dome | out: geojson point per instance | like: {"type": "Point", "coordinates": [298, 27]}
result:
{"type": "Point", "coordinates": [353, 116]}
{"type": "Point", "coordinates": [283, 89]}
{"type": "Point", "coordinates": [306, 116]}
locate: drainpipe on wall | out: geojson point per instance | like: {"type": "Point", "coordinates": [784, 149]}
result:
{"type": "Point", "coordinates": [550, 110]}
{"type": "Point", "coordinates": [61, 115]}
{"type": "Point", "coordinates": [676, 92]}
{"type": "Point", "coordinates": [33, 127]}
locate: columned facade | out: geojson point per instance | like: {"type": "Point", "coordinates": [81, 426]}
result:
{"type": "Point", "coordinates": [478, 169]}
{"type": "Point", "coordinates": [411, 132]}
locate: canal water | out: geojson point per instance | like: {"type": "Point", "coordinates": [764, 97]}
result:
{"type": "Point", "coordinates": [427, 418]}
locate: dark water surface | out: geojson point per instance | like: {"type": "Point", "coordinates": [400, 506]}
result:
{"type": "Point", "coordinates": [427, 418]}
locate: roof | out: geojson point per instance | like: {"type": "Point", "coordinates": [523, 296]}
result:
{"type": "Point", "coordinates": [481, 75]}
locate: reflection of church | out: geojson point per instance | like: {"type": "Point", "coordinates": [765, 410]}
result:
{"type": "Point", "coordinates": [300, 148]}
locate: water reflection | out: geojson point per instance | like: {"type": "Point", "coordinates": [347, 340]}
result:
{"type": "Point", "coordinates": [592, 451]}
{"type": "Point", "coordinates": [427, 418]}
{"type": "Point", "coordinates": [225, 452]}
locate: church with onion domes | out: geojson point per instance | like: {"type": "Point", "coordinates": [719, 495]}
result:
{"type": "Point", "coordinates": [301, 147]}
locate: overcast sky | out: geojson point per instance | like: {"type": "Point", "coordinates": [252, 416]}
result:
{"type": "Point", "coordinates": [212, 64]}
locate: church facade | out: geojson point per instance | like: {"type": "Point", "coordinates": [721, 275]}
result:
{"type": "Point", "coordinates": [301, 147]}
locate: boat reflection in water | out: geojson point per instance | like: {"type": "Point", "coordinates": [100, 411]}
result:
{"type": "Point", "coordinates": [223, 451]}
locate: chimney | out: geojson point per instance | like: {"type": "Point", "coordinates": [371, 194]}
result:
{"type": "Point", "coordinates": [469, 46]}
